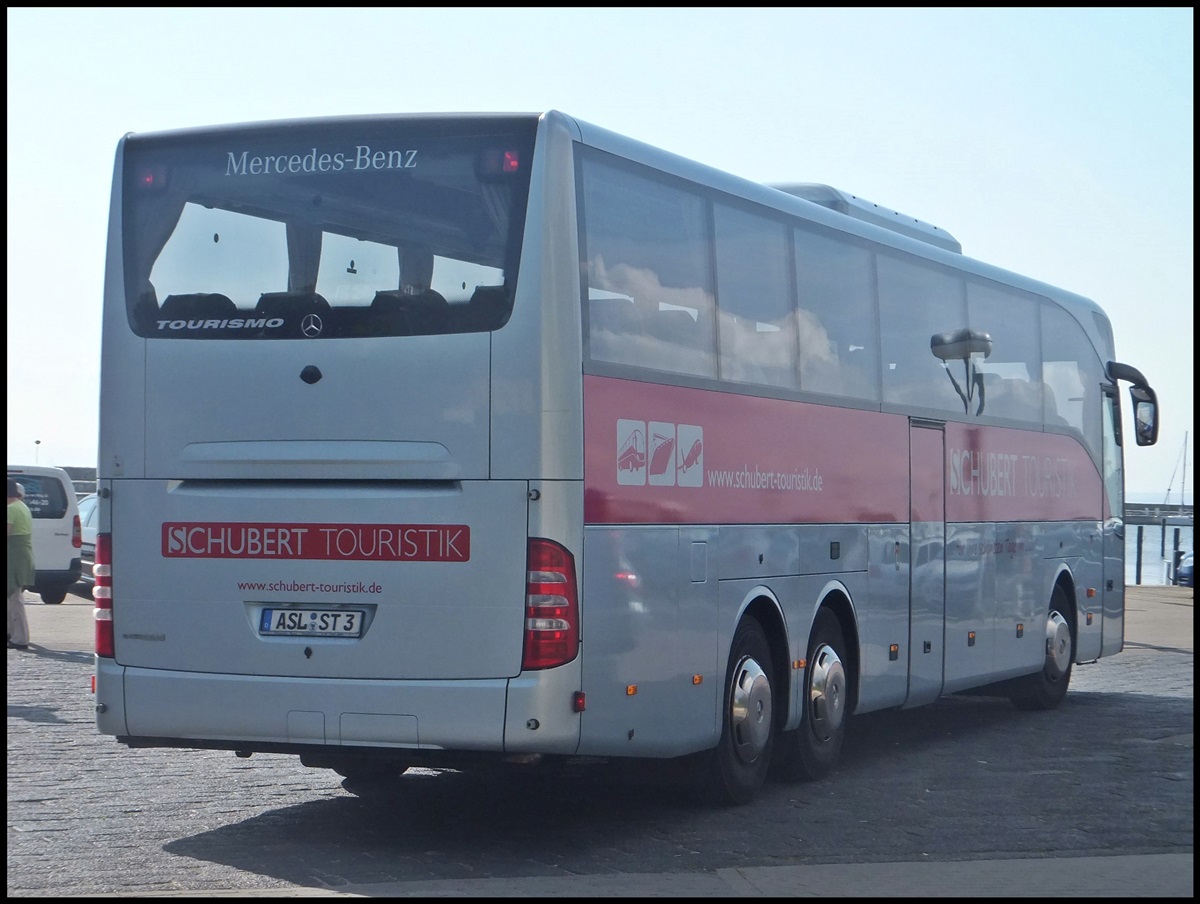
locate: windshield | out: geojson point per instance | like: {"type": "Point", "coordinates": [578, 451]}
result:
{"type": "Point", "coordinates": [364, 227]}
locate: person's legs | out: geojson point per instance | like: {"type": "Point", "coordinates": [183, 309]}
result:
{"type": "Point", "coordinates": [18, 624]}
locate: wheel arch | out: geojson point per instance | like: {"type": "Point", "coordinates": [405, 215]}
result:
{"type": "Point", "coordinates": [835, 597]}
{"type": "Point", "coordinates": [762, 605]}
{"type": "Point", "coordinates": [1064, 580]}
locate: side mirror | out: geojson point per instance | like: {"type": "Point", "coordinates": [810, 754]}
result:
{"type": "Point", "coordinates": [1145, 402]}
{"type": "Point", "coordinates": [960, 344]}
{"type": "Point", "coordinates": [1145, 415]}
{"type": "Point", "coordinates": [964, 345]}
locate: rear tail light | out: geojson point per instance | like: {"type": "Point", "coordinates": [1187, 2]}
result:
{"type": "Point", "coordinates": [551, 606]}
{"type": "Point", "coordinates": [102, 595]}
{"type": "Point", "coordinates": [77, 533]}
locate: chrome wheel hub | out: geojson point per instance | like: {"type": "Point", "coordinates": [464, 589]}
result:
{"type": "Point", "coordinates": [1058, 646]}
{"type": "Point", "coordinates": [826, 693]}
{"type": "Point", "coordinates": [750, 710]}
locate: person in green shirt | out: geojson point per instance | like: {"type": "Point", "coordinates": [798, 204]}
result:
{"type": "Point", "coordinates": [20, 565]}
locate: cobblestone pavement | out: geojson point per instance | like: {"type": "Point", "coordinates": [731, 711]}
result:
{"type": "Point", "coordinates": [1109, 774]}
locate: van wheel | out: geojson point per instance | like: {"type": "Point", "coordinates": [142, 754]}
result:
{"type": "Point", "coordinates": [810, 751]}
{"type": "Point", "coordinates": [53, 597]}
{"type": "Point", "coordinates": [1047, 688]}
{"type": "Point", "coordinates": [737, 766]}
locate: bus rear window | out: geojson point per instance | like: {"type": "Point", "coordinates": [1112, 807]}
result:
{"type": "Point", "coordinates": [399, 228]}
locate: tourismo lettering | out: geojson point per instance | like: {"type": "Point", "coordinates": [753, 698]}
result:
{"type": "Point", "coordinates": [357, 542]}
{"type": "Point", "coordinates": [233, 323]}
{"type": "Point", "coordinates": [363, 157]}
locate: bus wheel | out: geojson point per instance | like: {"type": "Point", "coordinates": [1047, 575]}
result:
{"type": "Point", "coordinates": [737, 766]}
{"type": "Point", "coordinates": [1047, 688]}
{"type": "Point", "coordinates": [810, 751]}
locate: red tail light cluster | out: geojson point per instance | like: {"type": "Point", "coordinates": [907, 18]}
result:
{"type": "Point", "coordinates": [551, 606]}
{"type": "Point", "coordinates": [77, 533]}
{"type": "Point", "coordinates": [102, 595]}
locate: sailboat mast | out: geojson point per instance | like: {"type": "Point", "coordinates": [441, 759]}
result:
{"type": "Point", "coordinates": [1171, 484]}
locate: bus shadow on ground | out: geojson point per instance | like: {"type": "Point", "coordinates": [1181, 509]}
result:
{"type": "Point", "coordinates": [42, 714]}
{"type": "Point", "coordinates": [965, 777]}
{"type": "Point", "coordinates": [76, 656]}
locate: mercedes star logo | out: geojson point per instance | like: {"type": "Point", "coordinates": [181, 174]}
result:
{"type": "Point", "coordinates": [310, 326]}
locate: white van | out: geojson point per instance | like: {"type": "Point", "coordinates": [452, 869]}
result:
{"type": "Point", "coordinates": [57, 536]}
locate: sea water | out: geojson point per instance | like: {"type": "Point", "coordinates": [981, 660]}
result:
{"type": "Point", "coordinates": [1159, 543]}
{"type": "Point", "coordinates": [1158, 547]}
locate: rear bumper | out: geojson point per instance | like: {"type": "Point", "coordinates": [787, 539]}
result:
{"type": "Point", "coordinates": [46, 577]}
{"type": "Point", "coordinates": [161, 708]}
{"type": "Point", "coordinates": [86, 566]}
{"type": "Point", "coordinates": [254, 710]}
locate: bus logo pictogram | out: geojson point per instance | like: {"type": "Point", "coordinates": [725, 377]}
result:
{"type": "Point", "coordinates": [659, 454]}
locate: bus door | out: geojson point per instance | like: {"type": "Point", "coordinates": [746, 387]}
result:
{"type": "Point", "coordinates": [927, 555]}
{"type": "Point", "coordinates": [1112, 633]}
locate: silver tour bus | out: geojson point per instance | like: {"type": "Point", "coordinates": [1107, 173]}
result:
{"type": "Point", "coordinates": [440, 440]}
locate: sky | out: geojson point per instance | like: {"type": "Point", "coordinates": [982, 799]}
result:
{"type": "Point", "coordinates": [1056, 143]}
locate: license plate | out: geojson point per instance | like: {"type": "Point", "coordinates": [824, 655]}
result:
{"type": "Point", "coordinates": [311, 622]}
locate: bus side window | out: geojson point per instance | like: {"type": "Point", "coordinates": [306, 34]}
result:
{"type": "Point", "coordinates": [1073, 373]}
{"type": "Point", "coordinates": [675, 328]}
{"type": "Point", "coordinates": [836, 319]}
{"type": "Point", "coordinates": [917, 300]}
{"type": "Point", "coordinates": [647, 239]}
{"type": "Point", "coordinates": [1050, 403]}
{"type": "Point", "coordinates": [614, 329]}
{"type": "Point", "coordinates": [746, 354]}
{"type": "Point", "coordinates": [1012, 372]}
{"type": "Point", "coordinates": [679, 343]}
{"type": "Point", "coordinates": [754, 296]}
{"type": "Point", "coordinates": [1012, 397]}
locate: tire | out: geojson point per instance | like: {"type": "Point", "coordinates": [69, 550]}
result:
{"type": "Point", "coordinates": [737, 766]}
{"type": "Point", "coordinates": [52, 597]}
{"type": "Point", "coordinates": [1047, 688]}
{"type": "Point", "coordinates": [810, 751]}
